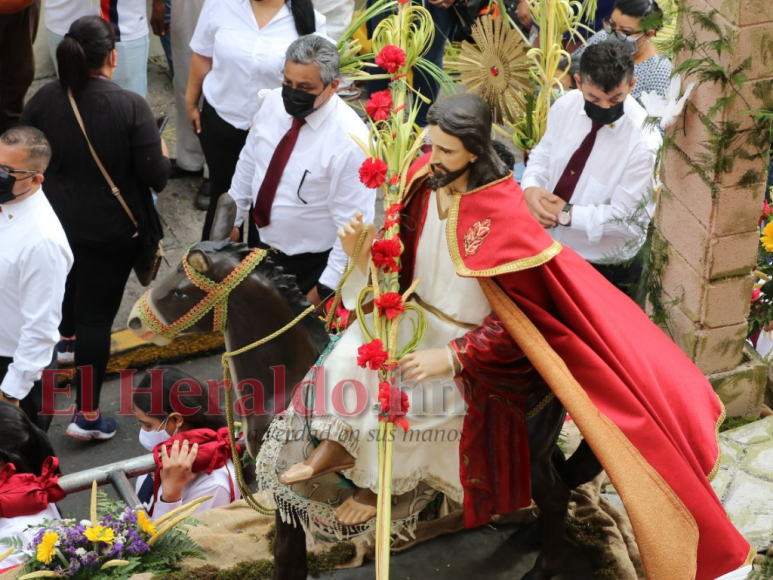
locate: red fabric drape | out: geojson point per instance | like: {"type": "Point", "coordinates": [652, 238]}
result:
{"type": "Point", "coordinates": [26, 494]}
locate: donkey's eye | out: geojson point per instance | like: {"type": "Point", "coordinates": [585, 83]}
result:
{"type": "Point", "coordinates": [178, 294]}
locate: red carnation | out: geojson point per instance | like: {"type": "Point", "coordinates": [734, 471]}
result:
{"type": "Point", "coordinates": [394, 209]}
{"type": "Point", "coordinates": [373, 173]}
{"type": "Point", "coordinates": [390, 304]}
{"type": "Point", "coordinates": [372, 354]}
{"type": "Point", "coordinates": [385, 254]}
{"type": "Point", "coordinates": [379, 105]}
{"type": "Point", "coordinates": [756, 294]}
{"type": "Point", "coordinates": [766, 211]}
{"type": "Point", "coordinates": [403, 1]}
{"type": "Point", "coordinates": [391, 58]}
{"type": "Point", "coordinates": [394, 404]}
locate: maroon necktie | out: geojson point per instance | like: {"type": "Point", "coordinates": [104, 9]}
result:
{"type": "Point", "coordinates": [267, 192]}
{"type": "Point", "coordinates": [571, 175]}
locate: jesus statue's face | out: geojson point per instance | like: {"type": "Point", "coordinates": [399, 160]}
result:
{"type": "Point", "coordinates": [450, 161]}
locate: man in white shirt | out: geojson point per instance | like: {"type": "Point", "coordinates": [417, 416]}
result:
{"type": "Point", "coordinates": [590, 179]}
{"type": "Point", "coordinates": [300, 169]}
{"type": "Point", "coordinates": [33, 265]}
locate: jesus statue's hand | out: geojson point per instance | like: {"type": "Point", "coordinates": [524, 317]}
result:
{"type": "Point", "coordinates": [421, 364]}
{"type": "Point", "coordinates": [349, 234]}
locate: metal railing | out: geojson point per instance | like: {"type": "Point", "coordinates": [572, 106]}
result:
{"type": "Point", "coordinates": [116, 474]}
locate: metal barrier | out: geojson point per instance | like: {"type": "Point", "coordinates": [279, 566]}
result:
{"type": "Point", "coordinates": [116, 474]}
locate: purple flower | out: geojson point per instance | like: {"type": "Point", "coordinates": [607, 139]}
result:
{"type": "Point", "coordinates": [137, 548]}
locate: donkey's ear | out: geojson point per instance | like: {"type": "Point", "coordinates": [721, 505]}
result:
{"type": "Point", "coordinates": [199, 261]}
{"type": "Point", "coordinates": [225, 216]}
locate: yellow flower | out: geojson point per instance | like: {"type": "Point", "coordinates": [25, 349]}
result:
{"type": "Point", "coordinates": [145, 523]}
{"type": "Point", "coordinates": [47, 547]}
{"type": "Point", "coordinates": [767, 237]}
{"type": "Point", "coordinates": [100, 534]}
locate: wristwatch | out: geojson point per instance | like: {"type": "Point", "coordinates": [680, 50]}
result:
{"type": "Point", "coordinates": [565, 217]}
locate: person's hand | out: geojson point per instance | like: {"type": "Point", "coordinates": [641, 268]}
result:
{"type": "Point", "coordinates": [194, 117]}
{"type": "Point", "coordinates": [421, 364]}
{"type": "Point", "coordinates": [313, 296]}
{"type": "Point", "coordinates": [235, 234]}
{"type": "Point", "coordinates": [533, 197]}
{"type": "Point", "coordinates": [158, 18]}
{"type": "Point", "coordinates": [553, 207]}
{"type": "Point", "coordinates": [349, 234]}
{"type": "Point", "coordinates": [11, 401]}
{"type": "Point", "coordinates": [524, 16]}
{"type": "Point", "coordinates": [164, 148]}
{"type": "Point", "coordinates": [177, 469]}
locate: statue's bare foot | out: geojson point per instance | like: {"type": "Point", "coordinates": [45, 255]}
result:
{"type": "Point", "coordinates": [358, 509]}
{"type": "Point", "coordinates": [328, 457]}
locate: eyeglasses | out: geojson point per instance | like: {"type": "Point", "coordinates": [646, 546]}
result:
{"type": "Point", "coordinates": [6, 171]}
{"type": "Point", "coordinates": [610, 29]}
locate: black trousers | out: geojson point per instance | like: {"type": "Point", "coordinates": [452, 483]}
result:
{"type": "Point", "coordinates": [17, 61]}
{"type": "Point", "coordinates": [32, 404]}
{"type": "Point", "coordinates": [92, 297]}
{"type": "Point", "coordinates": [222, 143]}
{"type": "Point", "coordinates": [307, 268]}
{"type": "Point", "coordinates": [623, 277]}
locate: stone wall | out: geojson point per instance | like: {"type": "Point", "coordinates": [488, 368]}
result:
{"type": "Point", "coordinates": [710, 204]}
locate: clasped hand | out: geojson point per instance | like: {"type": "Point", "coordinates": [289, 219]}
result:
{"type": "Point", "coordinates": [543, 205]}
{"type": "Point", "coordinates": [350, 233]}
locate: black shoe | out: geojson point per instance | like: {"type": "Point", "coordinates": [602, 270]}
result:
{"type": "Point", "coordinates": [178, 172]}
{"type": "Point", "coordinates": [202, 197]}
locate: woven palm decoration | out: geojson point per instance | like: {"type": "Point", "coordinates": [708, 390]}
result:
{"type": "Point", "coordinates": [496, 68]}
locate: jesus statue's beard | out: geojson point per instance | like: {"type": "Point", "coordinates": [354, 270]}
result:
{"type": "Point", "coordinates": [438, 180]}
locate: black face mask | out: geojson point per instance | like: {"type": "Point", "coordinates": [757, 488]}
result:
{"type": "Point", "coordinates": [439, 180]}
{"type": "Point", "coordinates": [7, 182]}
{"type": "Point", "coordinates": [604, 116]}
{"type": "Point", "coordinates": [298, 104]}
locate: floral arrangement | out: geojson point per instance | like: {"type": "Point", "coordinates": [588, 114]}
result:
{"type": "Point", "coordinates": [761, 311]}
{"type": "Point", "coordinates": [116, 542]}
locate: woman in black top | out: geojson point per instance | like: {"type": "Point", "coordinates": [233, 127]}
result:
{"type": "Point", "coordinates": [104, 241]}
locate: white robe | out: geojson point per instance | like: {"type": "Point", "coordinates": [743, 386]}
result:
{"type": "Point", "coordinates": [433, 455]}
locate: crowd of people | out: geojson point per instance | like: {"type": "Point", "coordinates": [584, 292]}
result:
{"type": "Point", "coordinates": [262, 116]}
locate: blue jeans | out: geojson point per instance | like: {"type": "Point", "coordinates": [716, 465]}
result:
{"type": "Point", "coordinates": [445, 24]}
{"type": "Point", "coordinates": [166, 40]}
{"type": "Point", "coordinates": [132, 70]}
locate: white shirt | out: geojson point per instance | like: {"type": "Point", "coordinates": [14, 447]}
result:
{"type": "Point", "coordinates": [320, 188]}
{"type": "Point", "coordinates": [618, 177]}
{"type": "Point", "coordinates": [33, 269]}
{"type": "Point", "coordinates": [17, 527]}
{"type": "Point", "coordinates": [215, 485]}
{"type": "Point", "coordinates": [245, 58]}
{"type": "Point", "coordinates": [128, 17]}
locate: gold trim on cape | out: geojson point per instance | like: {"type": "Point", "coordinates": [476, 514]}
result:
{"type": "Point", "coordinates": [515, 266]}
{"type": "Point", "coordinates": [666, 532]}
{"type": "Point", "coordinates": [713, 473]}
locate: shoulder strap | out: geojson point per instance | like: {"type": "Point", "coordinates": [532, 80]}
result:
{"type": "Point", "coordinates": [113, 188]}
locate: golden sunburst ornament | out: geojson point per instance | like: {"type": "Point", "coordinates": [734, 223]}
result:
{"type": "Point", "coordinates": [496, 68]}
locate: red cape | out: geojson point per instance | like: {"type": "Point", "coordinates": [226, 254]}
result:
{"type": "Point", "coordinates": [26, 494]}
{"type": "Point", "coordinates": [646, 410]}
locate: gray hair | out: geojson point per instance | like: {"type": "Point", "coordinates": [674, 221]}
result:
{"type": "Point", "coordinates": [316, 50]}
{"type": "Point", "coordinates": [31, 139]}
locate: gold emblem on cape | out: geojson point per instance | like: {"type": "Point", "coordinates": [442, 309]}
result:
{"type": "Point", "coordinates": [475, 236]}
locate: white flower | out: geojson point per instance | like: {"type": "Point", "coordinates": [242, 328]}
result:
{"type": "Point", "coordinates": [667, 110]}
{"type": "Point", "coordinates": [85, 523]}
{"type": "Point", "coordinates": [80, 552]}
{"type": "Point", "coordinates": [119, 539]}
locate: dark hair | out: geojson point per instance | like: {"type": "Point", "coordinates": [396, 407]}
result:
{"type": "Point", "coordinates": [21, 442]}
{"type": "Point", "coordinates": [647, 10]}
{"type": "Point", "coordinates": [31, 139]}
{"type": "Point", "coordinates": [574, 68]}
{"type": "Point", "coordinates": [468, 118]}
{"type": "Point", "coordinates": [303, 15]}
{"type": "Point", "coordinates": [83, 50]}
{"type": "Point", "coordinates": [606, 65]}
{"type": "Point", "coordinates": [171, 377]}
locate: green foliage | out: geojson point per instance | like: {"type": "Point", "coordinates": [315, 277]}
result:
{"type": "Point", "coordinates": [12, 542]}
{"type": "Point", "coordinates": [591, 538]}
{"type": "Point", "coordinates": [764, 569]}
{"type": "Point", "coordinates": [731, 423]}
